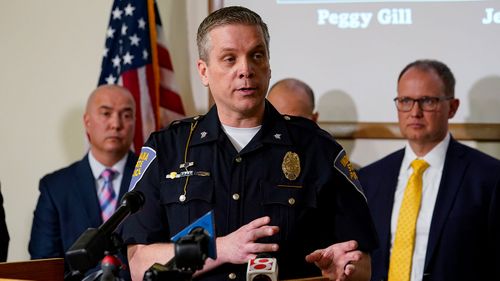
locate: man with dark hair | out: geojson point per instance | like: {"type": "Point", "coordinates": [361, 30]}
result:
{"type": "Point", "coordinates": [291, 96]}
{"type": "Point", "coordinates": [435, 203]}
{"type": "Point", "coordinates": [276, 184]}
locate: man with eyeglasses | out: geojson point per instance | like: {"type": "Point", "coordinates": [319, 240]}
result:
{"type": "Point", "coordinates": [438, 217]}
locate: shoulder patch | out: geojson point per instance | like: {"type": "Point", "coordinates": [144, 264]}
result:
{"type": "Point", "coordinates": [185, 121]}
{"type": "Point", "coordinates": [344, 166]}
{"type": "Point", "coordinates": [145, 158]}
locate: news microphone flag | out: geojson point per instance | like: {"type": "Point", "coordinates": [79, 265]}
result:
{"type": "Point", "coordinates": [136, 57]}
{"type": "Point", "coordinates": [262, 268]}
{"type": "Point", "coordinates": [207, 223]}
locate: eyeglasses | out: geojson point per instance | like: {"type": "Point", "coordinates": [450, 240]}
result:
{"type": "Point", "coordinates": [426, 103]}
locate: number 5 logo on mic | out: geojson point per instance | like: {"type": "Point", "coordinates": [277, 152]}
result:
{"type": "Point", "coordinates": [262, 269]}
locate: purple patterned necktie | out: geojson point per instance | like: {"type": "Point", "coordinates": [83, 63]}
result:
{"type": "Point", "coordinates": [107, 196]}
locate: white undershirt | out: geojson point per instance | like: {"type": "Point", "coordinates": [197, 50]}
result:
{"type": "Point", "coordinates": [431, 180]}
{"type": "Point", "coordinates": [97, 169]}
{"type": "Point", "coordinates": [240, 137]}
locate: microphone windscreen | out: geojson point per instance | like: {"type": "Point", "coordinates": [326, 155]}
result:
{"type": "Point", "coordinates": [110, 266]}
{"type": "Point", "coordinates": [111, 261]}
{"type": "Point", "coordinates": [134, 200]}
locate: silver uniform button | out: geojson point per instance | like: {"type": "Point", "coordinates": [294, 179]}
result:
{"type": "Point", "coordinates": [287, 118]}
{"type": "Point", "coordinates": [238, 159]}
{"type": "Point", "coordinates": [291, 201]}
{"type": "Point", "coordinates": [182, 198]}
{"type": "Point", "coordinates": [236, 196]}
{"type": "Point", "coordinates": [232, 276]}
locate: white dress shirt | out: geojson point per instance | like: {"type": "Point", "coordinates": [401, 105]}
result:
{"type": "Point", "coordinates": [431, 181]}
{"type": "Point", "coordinates": [97, 169]}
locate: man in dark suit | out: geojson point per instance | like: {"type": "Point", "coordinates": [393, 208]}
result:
{"type": "Point", "coordinates": [4, 233]}
{"type": "Point", "coordinates": [457, 224]}
{"type": "Point", "coordinates": [70, 198]}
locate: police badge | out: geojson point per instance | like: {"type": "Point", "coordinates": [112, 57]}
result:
{"type": "Point", "coordinates": [291, 165]}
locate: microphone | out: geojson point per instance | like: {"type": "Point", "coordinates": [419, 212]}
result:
{"type": "Point", "coordinates": [262, 268]}
{"type": "Point", "coordinates": [110, 266]}
{"type": "Point", "coordinates": [132, 201]}
{"type": "Point", "coordinates": [192, 246]}
{"type": "Point", "coordinates": [91, 246]}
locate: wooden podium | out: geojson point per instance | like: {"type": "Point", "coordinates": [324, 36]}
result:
{"type": "Point", "coordinates": [39, 270]}
{"type": "Point", "coordinates": [310, 279]}
{"type": "Point", "coordinates": [53, 270]}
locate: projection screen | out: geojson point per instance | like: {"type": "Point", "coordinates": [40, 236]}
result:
{"type": "Point", "coordinates": [351, 52]}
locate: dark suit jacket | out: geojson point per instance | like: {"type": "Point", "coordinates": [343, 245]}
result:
{"type": "Point", "coordinates": [464, 238]}
{"type": "Point", "coordinates": [67, 206]}
{"type": "Point", "coordinates": [4, 233]}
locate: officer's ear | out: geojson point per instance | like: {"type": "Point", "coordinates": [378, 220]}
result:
{"type": "Point", "coordinates": [202, 71]}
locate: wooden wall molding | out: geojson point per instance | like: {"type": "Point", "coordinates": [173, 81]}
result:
{"type": "Point", "coordinates": [371, 130]}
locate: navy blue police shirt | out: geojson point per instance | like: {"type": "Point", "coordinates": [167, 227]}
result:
{"type": "Point", "coordinates": [292, 171]}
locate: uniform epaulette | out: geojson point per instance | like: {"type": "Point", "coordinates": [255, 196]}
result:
{"type": "Point", "coordinates": [325, 134]}
{"type": "Point", "coordinates": [307, 124]}
{"type": "Point", "coordinates": [188, 120]}
{"type": "Point", "coordinates": [297, 119]}
{"type": "Point", "coordinates": [300, 121]}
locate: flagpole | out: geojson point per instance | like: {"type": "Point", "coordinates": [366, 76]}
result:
{"type": "Point", "coordinates": [155, 62]}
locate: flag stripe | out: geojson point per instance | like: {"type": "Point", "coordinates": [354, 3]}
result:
{"type": "Point", "coordinates": [164, 57]}
{"type": "Point", "coordinates": [171, 101]}
{"type": "Point", "coordinates": [168, 80]}
{"type": "Point", "coordinates": [131, 82]}
{"type": "Point", "coordinates": [147, 114]}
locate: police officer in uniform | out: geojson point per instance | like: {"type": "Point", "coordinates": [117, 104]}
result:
{"type": "Point", "coordinates": [276, 183]}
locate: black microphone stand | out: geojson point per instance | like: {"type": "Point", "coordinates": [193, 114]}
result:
{"type": "Point", "coordinates": [191, 251]}
{"type": "Point", "coordinates": [93, 244]}
{"type": "Point", "coordinates": [81, 260]}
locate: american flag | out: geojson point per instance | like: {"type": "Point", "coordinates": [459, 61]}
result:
{"type": "Point", "coordinates": [136, 57]}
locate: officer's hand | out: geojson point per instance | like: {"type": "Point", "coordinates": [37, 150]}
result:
{"type": "Point", "coordinates": [337, 262]}
{"type": "Point", "coordinates": [239, 246]}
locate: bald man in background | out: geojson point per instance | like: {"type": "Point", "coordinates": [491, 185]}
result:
{"type": "Point", "coordinates": [293, 97]}
{"type": "Point", "coordinates": [69, 200]}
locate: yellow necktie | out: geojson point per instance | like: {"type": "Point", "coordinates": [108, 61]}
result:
{"type": "Point", "coordinates": [404, 242]}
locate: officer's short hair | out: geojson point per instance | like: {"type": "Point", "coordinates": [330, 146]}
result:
{"type": "Point", "coordinates": [224, 16]}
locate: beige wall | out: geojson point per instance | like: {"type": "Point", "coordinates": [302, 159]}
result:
{"type": "Point", "coordinates": [50, 58]}
{"type": "Point", "coordinates": [50, 61]}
